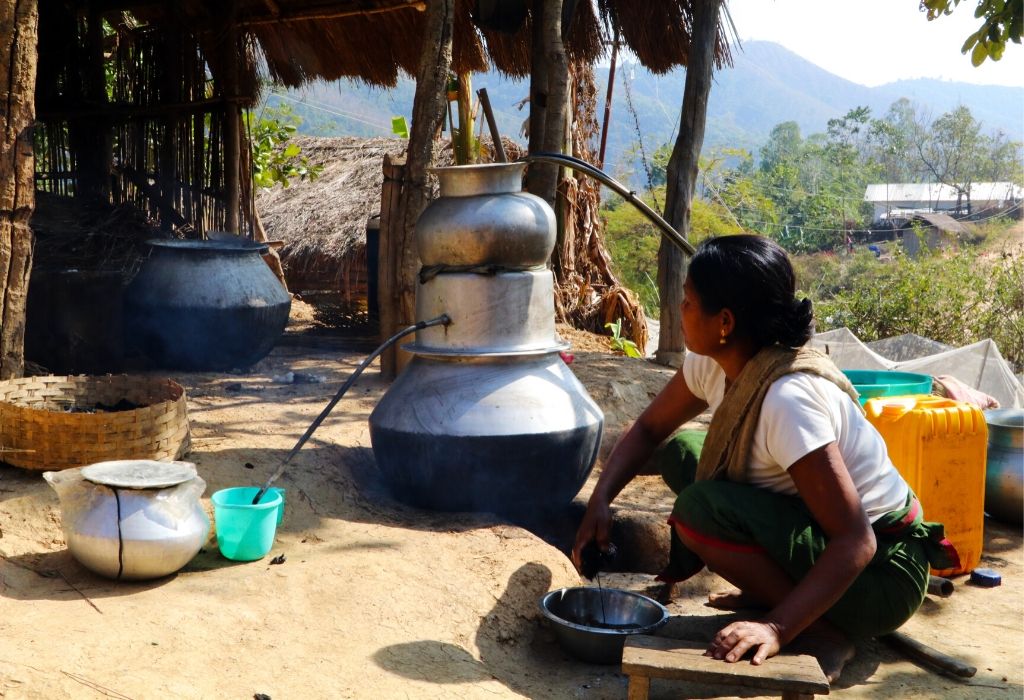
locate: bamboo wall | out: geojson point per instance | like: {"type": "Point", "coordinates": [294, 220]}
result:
{"type": "Point", "coordinates": [129, 114]}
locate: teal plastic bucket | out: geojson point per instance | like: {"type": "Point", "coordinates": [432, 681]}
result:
{"type": "Point", "coordinates": [872, 383]}
{"type": "Point", "coordinates": [245, 532]}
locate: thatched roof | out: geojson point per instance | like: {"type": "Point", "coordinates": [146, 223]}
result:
{"type": "Point", "coordinates": [326, 218]}
{"type": "Point", "coordinates": [373, 40]}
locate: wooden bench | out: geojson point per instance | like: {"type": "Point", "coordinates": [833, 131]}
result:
{"type": "Point", "coordinates": [645, 657]}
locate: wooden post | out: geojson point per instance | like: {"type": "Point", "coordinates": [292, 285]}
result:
{"type": "Point", "coordinates": [427, 112]}
{"type": "Point", "coordinates": [682, 176]}
{"type": "Point", "coordinates": [232, 119]}
{"type": "Point", "coordinates": [387, 257]}
{"type": "Point", "coordinates": [97, 144]}
{"type": "Point", "coordinates": [19, 39]}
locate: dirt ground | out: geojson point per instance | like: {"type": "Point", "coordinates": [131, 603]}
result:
{"type": "Point", "coordinates": [378, 600]}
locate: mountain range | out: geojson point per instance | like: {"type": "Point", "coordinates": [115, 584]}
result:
{"type": "Point", "coordinates": [767, 85]}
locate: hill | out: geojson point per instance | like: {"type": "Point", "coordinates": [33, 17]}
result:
{"type": "Point", "coordinates": [768, 84]}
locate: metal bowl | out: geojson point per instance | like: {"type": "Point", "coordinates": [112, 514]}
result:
{"type": "Point", "coordinates": [592, 623]}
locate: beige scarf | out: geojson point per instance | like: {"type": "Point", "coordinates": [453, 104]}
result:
{"type": "Point", "coordinates": [726, 451]}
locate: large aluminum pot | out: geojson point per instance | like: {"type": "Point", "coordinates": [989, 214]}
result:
{"type": "Point", "coordinates": [1004, 470]}
{"type": "Point", "coordinates": [131, 533]}
{"type": "Point", "coordinates": [506, 313]}
{"type": "Point", "coordinates": [506, 435]}
{"type": "Point", "coordinates": [205, 305]}
{"type": "Point", "coordinates": [484, 218]}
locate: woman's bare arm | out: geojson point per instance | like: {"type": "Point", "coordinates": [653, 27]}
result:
{"type": "Point", "coordinates": [672, 407]}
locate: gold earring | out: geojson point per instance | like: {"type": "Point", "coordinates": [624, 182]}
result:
{"type": "Point", "coordinates": [721, 341]}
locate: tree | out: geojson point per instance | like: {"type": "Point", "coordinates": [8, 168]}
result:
{"type": "Point", "coordinates": [1002, 21]}
{"type": "Point", "coordinates": [953, 152]}
{"type": "Point", "coordinates": [783, 145]}
{"type": "Point", "coordinates": [19, 26]}
{"type": "Point", "coordinates": [399, 274]}
{"type": "Point", "coordinates": [891, 141]}
{"type": "Point", "coordinates": [682, 175]}
{"type": "Point", "coordinates": [549, 95]}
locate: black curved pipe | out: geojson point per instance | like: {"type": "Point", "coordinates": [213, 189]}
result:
{"type": "Point", "coordinates": [586, 168]}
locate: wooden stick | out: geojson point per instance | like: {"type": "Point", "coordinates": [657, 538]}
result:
{"type": "Point", "coordinates": [928, 656]}
{"type": "Point", "coordinates": [499, 147]}
{"type": "Point", "coordinates": [320, 13]}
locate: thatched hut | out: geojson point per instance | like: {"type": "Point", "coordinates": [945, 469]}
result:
{"type": "Point", "coordinates": [323, 223]}
{"type": "Point", "coordinates": [140, 103]}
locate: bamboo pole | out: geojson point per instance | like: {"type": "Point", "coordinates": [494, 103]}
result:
{"type": "Point", "coordinates": [464, 154]}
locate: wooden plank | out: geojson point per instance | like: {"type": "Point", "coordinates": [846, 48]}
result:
{"type": "Point", "coordinates": [661, 657]}
{"type": "Point", "coordinates": [639, 686]}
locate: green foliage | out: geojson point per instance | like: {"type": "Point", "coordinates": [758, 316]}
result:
{"type": "Point", "coordinates": [1002, 20]}
{"type": "Point", "coordinates": [806, 193]}
{"type": "Point", "coordinates": [957, 300]}
{"type": "Point", "coordinates": [620, 344]}
{"type": "Point", "coordinates": [274, 160]}
{"type": "Point", "coordinates": [633, 241]}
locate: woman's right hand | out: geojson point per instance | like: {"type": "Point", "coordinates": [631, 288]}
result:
{"type": "Point", "coordinates": [596, 526]}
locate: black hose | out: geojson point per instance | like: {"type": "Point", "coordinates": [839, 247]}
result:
{"type": "Point", "coordinates": [443, 319]}
{"type": "Point", "coordinates": [620, 189]}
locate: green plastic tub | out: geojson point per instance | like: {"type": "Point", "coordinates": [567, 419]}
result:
{"type": "Point", "coordinates": [872, 383]}
{"type": "Point", "coordinates": [245, 532]}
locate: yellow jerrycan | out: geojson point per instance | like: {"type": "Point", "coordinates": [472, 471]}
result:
{"type": "Point", "coordinates": [939, 446]}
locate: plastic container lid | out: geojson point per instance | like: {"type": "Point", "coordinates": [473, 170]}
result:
{"type": "Point", "coordinates": [988, 578]}
{"type": "Point", "coordinates": [139, 473]}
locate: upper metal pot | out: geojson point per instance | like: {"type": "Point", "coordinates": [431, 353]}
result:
{"type": "Point", "coordinates": [484, 218]}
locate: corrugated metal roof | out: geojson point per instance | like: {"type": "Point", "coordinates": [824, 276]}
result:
{"type": "Point", "coordinates": [898, 192]}
{"type": "Point", "coordinates": [943, 222]}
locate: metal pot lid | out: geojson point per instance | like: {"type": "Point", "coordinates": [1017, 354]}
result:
{"type": "Point", "coordinates": [139, 473]}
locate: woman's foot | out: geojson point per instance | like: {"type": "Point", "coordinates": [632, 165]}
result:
{"type": "Point", "coordinates": [663, 592]}
{"type": "Point", "coordinates": [832, 650]}
{"type": "Point", "coordinates": [734, 599]}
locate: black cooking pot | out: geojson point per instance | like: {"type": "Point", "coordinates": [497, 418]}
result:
{"type": "Point", "coordinates": [205, 305]}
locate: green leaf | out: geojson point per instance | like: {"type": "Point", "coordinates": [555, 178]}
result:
{"type": "Point", "coordinates": [979, 54]}
{"type": "Point", "coordinates": [400, 127]}
{"type": "Point", "coordinates": [291, 151]}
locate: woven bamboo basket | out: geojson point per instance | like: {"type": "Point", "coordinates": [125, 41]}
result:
{"type": "Point", "coordinates": [43, 424]}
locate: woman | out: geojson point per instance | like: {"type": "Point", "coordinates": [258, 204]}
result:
{"type": "Point", "coordinates": [793, 500]}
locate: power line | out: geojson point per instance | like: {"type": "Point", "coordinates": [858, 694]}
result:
{"type": "Point", "coordinates": [316, 105]}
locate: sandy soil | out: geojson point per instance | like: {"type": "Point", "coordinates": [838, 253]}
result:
{"type": "Point", "coordinates": [377, 600]}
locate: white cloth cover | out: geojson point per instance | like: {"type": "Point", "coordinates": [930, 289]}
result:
{"type": "Point", "coordinates": [979, 365]}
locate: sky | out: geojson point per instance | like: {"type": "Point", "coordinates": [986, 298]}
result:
{"type": "Point", "coordinates": [873, 42]}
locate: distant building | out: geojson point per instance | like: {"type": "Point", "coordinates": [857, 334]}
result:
{"type": "Point", "coordinates": [931, 230]}
{"type": "Point", "coordinates": [901, 200]}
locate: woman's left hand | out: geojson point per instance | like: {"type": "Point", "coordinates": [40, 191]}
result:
{"type": "Point", "coordinates": [735, 640]}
